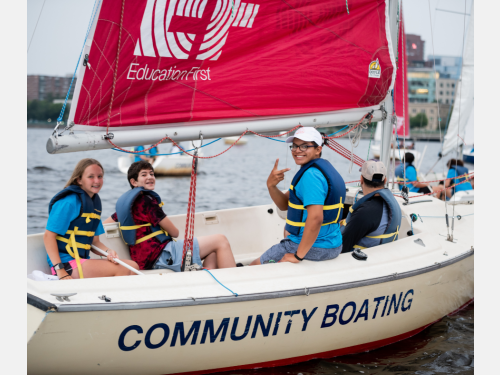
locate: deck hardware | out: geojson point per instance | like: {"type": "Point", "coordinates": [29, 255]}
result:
{"type": "Point", "coordinates": [270, 211]}
{"type": "Point", "coordinates": [413, 217]}
{"type": "Point", "coordinates": [395, 274]}
{"type": "Point", "coordinates": [415, 202]}
{"type": "Point", "coordinates": [437, 264]}
{"type": "Point", "coordinates": [409, 233]}
{"type": "Point", "coordinates": [194, 299]}
{"type": "Point", "coordinates": [108, 136]}
{"type": "Point", "coordinates": [63, 297]}
{"type": "Point", "coordinates": [104, 298]}
{"type": "Point", "coordinates": [418, 241]}
{"type": "Point", "coordinates": [307, 291]}
{"type": "Point", "coordinates": [175, 133]}
{"type": "Point", "coordinates": [359, 255]}
{"type": "Point", "coordinates": [86, 60]}
{"type": "Point", "coordinates": [459, 217]}
{"type": "Point", "coordinates": [445, 253]}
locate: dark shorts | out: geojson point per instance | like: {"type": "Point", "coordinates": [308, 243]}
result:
{"type": "Point", "coordinates": [424, 190]}
{"type": "Point", "coordinates": [316, 254]}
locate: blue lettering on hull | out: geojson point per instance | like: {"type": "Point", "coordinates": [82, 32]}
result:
{"type": "Point", "coordinates": [183, 334]}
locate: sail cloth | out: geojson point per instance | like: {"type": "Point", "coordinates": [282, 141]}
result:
{"type": "Point", "coordinates": [401, 85]}
{"type": "Point", "coordinates": [210, 60]}
{"type": "Point", "coordinates": [461, 126]}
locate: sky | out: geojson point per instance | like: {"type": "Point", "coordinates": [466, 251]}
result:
{"type": "Point", "coordinates": [55, 45]}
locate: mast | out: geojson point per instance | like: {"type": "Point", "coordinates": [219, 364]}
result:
{"type": "Point", "coordinates": [387, 123]}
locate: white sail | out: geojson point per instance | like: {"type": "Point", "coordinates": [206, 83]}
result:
{"type": "Point", "coordinates": [462, 118]}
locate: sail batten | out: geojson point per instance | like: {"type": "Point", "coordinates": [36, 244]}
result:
{"type": "Point", "coordinates": [215, 61]}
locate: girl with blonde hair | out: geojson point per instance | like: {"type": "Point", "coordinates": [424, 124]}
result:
{"type": "Point", "coordinates": [74, 224]}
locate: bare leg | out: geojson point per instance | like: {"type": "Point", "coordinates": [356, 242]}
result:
{"type": "Point", "coordinates": [285, 233]}
{"type": "Point", "coordinates": [210, 261]}
{"type": "Point", "coordinates": [256, 262]}
{"type": "Point", "coordinates": [103, 268]}
{"type": "Point", "coordinates": [218, 244]}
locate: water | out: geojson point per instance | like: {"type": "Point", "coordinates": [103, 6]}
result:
{"type": "Point", "coordinates": [238, 179]}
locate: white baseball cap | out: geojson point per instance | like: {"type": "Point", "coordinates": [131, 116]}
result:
{"type": "Point", "coordinates": [374, 171]}
{"type": "Point", "coordinates": [308, 135]}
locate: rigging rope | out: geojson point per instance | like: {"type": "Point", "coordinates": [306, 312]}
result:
{"type": "Point", "coordinates": [189, 231]}
{"type": "Point", "coordinates": [39, 15]}
{"type": "Point", "coordinates": [63, 109]}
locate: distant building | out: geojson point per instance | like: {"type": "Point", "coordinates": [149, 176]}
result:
{"type": "Point", "coordinates": [431, 111]}
{"type": "Point", "coordinates": [447, 66]}
{"type": "Point", "coordinates": [422, 85]}
{"type": "Point", "coordinates": [415, 50]}
{"type": "Point", "coordinates": [445, 90]}
{"type": "Point", "coordinates": [44, 87]}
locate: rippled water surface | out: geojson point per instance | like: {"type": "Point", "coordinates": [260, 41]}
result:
{"type": "Point", "coordinates": [238, 179]}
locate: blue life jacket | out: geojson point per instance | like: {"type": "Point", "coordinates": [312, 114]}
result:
{"type": "Point", "coordinates": [400, 175]}
{"type": "Point", "coordinates": [78, 239]}
{"type": "Point", "coordinates": [334, 202]}
{"type": "Point", "coordinates": [128, 226]}
{"type": "Point", "coordinates": [379, 236]}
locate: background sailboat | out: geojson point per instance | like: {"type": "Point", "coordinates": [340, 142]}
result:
{"type": "Point", "coordinates": [460, 133]}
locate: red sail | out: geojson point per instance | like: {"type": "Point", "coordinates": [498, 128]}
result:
{"type": "Point", "coordinates": [210, 60]}
{"type": "Point", "coordinates": [401, 85]}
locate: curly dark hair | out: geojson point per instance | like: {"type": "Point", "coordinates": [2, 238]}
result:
{"type": "Point", "coordinates": [136, 168]}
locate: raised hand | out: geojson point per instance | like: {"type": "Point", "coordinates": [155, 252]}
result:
{"type": "Point", "coordinates": [276, 175]}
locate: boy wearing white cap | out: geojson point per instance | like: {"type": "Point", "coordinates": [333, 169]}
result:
{"type": "Point", "coordinates": [314, 202]}
{"type": "Point", "coordinates": [376, 217]}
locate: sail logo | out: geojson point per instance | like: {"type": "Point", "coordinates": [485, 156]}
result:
{"type": "Point", "coordinates": [374, 69]}
{"type": "Point", "coordinates": [191, 29]}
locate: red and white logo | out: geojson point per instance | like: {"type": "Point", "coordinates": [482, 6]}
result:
{"type": "Point", "coordinates": [191, 29]}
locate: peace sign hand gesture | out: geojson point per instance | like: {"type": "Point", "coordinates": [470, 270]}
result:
{"type": "Point", "coordinates": [276, 175]}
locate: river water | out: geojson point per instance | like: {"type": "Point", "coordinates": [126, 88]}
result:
{"type": "Point", "coordinates": [238, 179]}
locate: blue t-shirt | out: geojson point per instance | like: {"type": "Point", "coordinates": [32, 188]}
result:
{"type": "Point", "coordinates": [411, 175]}
{"type": "Point", "coordinates": [452, 172]}
{"type": "Point", "coordinates": [137, 157]}
{"type": "Point", "coordinates": [63, 212]}
{"type": "Point", "coordinates": [312, 189]}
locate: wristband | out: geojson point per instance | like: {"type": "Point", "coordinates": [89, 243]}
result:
{"type": "Point", "coordinates": [297, 257]}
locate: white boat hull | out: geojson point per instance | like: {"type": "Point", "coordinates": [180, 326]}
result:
{"type": "Point", "coordinates": [173, 165]}
{"type": "Point", "coordinates": [162, 323]}
{"type": "Point", "coordinates": [394, 154]}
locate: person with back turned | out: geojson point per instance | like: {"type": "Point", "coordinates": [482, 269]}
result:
{"type": "Point", "coordinates": [376, 217]}
{"type": "Point", "coordinates": [407, 167]}
{"type": "Point", "coordinates": [314, 202]}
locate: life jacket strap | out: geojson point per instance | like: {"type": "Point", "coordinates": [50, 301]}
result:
{"type": "Point", "coordinates": [81, 233]}
{"type": "Point", "coordinates": [359, 247]}
{"type": "Point", "coordinates": [161, 204]}
{"type": "Point", "coordinates": [154, 234]}
{"type": "Point", "coordinates": [332, 207]}
{"type": "Point", "coordinates": [291, 187]}
{"type": "Point", "coordinates": [71, 243]}
{"type": "Point", "coordinates": [388, 235]}
{"type": "Point", "coordinates": [132, 227]}
{"type": "Point", "coordinates": [91, 216]}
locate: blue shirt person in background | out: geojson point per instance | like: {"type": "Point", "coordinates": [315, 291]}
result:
{"type": "Point", "coordinates": [407, 167]}
{"type": "Point", "coordinates": [312, 238]}
{"type": "Point", "coordinates": [146, 155]}
{"type": "Point", "coordinates": [456, 168]}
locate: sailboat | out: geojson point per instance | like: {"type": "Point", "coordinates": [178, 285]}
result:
{"type": "Point", "coordinates": [402, 126]}
{"type": "Point", "coordinates": [182, 70]}
{"type": "Point", "coordinates": [459, 136]}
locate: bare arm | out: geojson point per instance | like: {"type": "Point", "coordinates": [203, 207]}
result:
{"type": "Point", "coordinates": [311, 231]}
{"type": "Point", "coordinates": [108, 220]}
{"type": "Point", "coordinates": [50, 242]}
{"type": "Point", "coordinates": [167, 225]}
{"type": "Point", "coordinates": [276, 176]}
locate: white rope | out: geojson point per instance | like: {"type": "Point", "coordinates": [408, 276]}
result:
{"type": "Point", "coordinates": [354, 138]}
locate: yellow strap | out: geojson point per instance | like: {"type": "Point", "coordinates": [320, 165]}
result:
{"type": "Point", "coordinates": [81, 233]}
{"type": "Point", "coordinates": [132, 227]}
{"type": "Point", "coordinates": [154, 234]}
{"type": "Point", "coordinates": [291, 187]}
{"type": "Point", "coordinates": [72, 243]}
{"type": "Point", "coordinates": [161, 204]}
{"type": "Point", "coordinates": [295, 224]}
{"type": "Point", "coordinates": [97, 210]}
{"type": "Point", "coordinates": [389, 235]}
{"type": "Point", "coordinates": [351, 210]}
{"type": "Point", "coordinates": [91, 216]}
{"type": "Point", "coordinates": [332, 207]}
{"type": "Point", "coordinates": [359, 247]}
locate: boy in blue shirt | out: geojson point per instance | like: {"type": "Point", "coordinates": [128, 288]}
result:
{"type": "Point", "coordinates": [314, 203]}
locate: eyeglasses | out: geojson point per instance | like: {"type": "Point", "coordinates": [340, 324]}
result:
{"type": "Point", "coordinates": [304, 147]}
